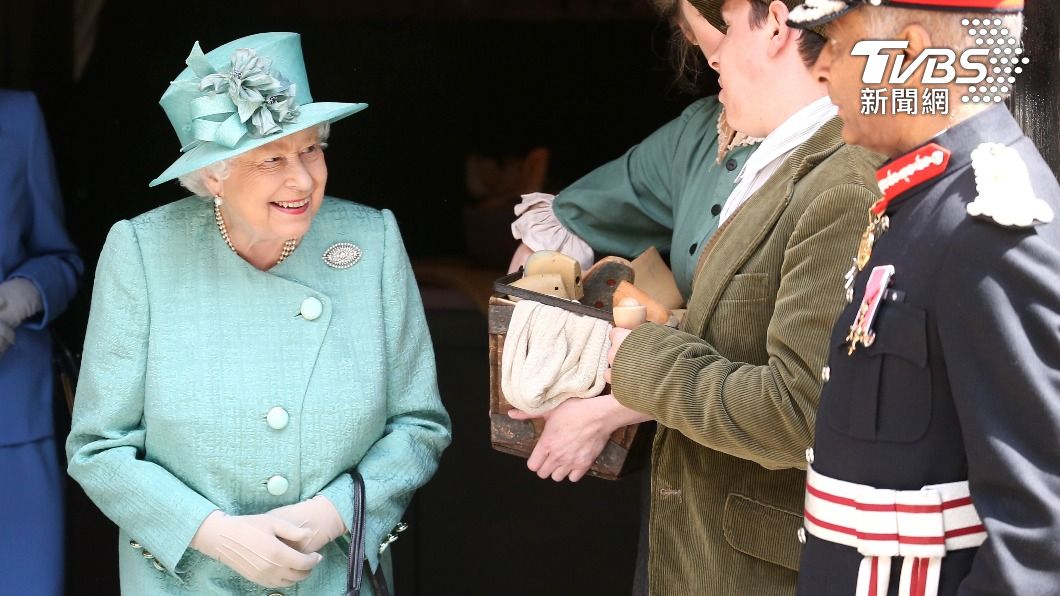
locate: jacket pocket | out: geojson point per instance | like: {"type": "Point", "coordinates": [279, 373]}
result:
{"type": "Point", "coordinates": [883, 392]}
{"type": "Point", "coordinates": [740, 320]}
{"type": "Point", "coordinates": [762, 531]}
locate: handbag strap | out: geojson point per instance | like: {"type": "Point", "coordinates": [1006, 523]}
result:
{"type": "Point", "coordinates": [357, 564]}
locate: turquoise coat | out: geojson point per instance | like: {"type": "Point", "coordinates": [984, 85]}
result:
{"type": "Point", "coordinates": [188, 350]}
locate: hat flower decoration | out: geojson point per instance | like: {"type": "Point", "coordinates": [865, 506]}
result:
{"type": "Point", "coordinates": [260, 99]}
{"type": "Point", "coordinates": [240, 96]}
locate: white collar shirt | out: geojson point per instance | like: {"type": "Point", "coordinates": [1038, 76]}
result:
{"type": "Point", "coordinates": [776, 148]}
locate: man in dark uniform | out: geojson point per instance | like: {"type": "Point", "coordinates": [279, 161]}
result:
{"type": "Point", "coordinates": [936, 467]}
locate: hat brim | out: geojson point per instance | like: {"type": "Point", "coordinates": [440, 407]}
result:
{"type": "Point", "coordinates": [309, 115]}
{"type": "Point", "coordinates": [800, 18]}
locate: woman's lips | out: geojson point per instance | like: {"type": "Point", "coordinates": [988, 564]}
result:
{"type": "Point", "coordinates": [291, 207]}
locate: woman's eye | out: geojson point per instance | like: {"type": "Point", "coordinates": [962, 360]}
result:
{"type": "Point", "coordinates": [313, 151]}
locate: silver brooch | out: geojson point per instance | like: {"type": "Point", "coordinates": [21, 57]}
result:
{"type": "Point", "coordinates": [342, 255]}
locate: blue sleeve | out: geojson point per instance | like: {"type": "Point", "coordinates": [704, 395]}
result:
{"type": "Point", "coordinates": [417, 426]}
{"type": "Point", "coordinates": [53, 265]}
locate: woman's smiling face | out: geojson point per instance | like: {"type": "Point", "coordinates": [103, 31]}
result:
{"type": "Point", "coordinates": [274, 191]}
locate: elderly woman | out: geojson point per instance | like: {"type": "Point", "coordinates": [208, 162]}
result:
{"type": "Point", "coordinates": [245, 354]}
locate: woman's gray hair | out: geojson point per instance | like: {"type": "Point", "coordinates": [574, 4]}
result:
{"type": "Point", "coordinates": [196, 181]}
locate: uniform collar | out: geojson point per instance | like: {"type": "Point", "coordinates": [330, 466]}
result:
{"type": "Point", "coordinates": [948, 152]}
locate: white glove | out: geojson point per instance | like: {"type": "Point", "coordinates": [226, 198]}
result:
{"type": "Point", "coordinates": [319, 516]}
{"type": "Point", "coordinates": [255, 546]}
{"type": "Point", "coordinates": [19, 300]}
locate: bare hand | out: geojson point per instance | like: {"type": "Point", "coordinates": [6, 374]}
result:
{"type": "Point", "coordinates": [575, 434]}
{"type": "Point", "coordinates": [618, 335]}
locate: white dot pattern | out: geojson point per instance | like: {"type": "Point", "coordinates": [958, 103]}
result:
{"type": "Point", "coordinates": [1002, 49]}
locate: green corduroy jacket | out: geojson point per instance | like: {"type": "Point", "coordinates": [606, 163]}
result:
{"type": "Point", "coordinates": [736, 389]}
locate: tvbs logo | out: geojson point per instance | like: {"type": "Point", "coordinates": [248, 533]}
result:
{"type": "Point", "coordinates": [939, 64]}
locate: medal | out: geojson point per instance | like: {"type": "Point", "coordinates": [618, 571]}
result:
{"type": "Point", "coordinates": [861, 331]}
{"type": "Point", "coordinates": [878, 224]}
{"type": "Point", "coordinates": [897, 177]}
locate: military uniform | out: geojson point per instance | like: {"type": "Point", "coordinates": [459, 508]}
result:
{"type": "Point", "coordinates": [960, 380]}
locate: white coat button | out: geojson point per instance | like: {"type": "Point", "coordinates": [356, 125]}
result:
{"type": "Point", "coordinates": [809, 455]}
{"type": "Point", "coordinates": [277, 485]}
{"type": "Point", "coordinates": [311, 309]}
{"type": "Point", "coordinates": [826, 374]}
{"type": "Point", "coordinates": [801, 535]}
{"type": "Point", "coordinates": [277, 418]}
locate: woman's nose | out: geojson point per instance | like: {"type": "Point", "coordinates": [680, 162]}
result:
{"type": "Point", "coordinates": [298, 177]}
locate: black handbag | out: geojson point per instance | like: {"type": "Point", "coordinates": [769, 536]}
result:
{"type": "Point", "coordinates": [358, 565]}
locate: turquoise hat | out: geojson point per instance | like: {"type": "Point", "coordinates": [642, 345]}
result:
{"type": "Point", "coordinates": [240, 96]}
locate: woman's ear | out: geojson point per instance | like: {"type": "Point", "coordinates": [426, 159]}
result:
{"type": "Point", "coordinates": [686, 30]}
{"type": "Point", "coordinates": [777, 25]}
{"type": "Point", "coordinates": [213, 184]}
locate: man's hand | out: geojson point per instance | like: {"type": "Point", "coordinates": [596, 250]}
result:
{"type": "Point", "coordinates": [575, 434]}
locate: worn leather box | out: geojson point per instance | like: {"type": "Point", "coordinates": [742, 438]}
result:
{"type": "Point", "coordinates": [627, 449]}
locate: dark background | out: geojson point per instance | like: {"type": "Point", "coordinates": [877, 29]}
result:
{"type": "Point", "coordinates": [445, 78]}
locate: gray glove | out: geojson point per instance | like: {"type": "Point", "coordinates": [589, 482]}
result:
{"type": "Point", "coordinates": [19, 300]}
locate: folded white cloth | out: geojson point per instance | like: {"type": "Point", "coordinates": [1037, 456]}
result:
{"type": "Point", "coordinates": [551, 355]}
{"type": "Point", "coordinates": [539, 228]}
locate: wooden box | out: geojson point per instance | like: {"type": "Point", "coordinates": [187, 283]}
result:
{"type": "Point", "coordinates": [627, 449]}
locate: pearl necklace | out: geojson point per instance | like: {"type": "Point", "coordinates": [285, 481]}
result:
{"type": "Point", "coordinates": [288, 245]}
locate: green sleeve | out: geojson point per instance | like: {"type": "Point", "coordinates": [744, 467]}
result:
{"type": "Point", "coordinates": [762, 413]}
{"type": "Point", "coordinates": [625, 206]}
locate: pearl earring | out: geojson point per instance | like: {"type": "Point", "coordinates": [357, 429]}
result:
{"type": "Point", "coordinates": [217, 200]}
